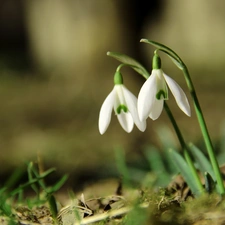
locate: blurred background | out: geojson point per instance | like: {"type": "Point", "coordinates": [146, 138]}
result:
{"type": "Point", "coordinates": [54, 76]}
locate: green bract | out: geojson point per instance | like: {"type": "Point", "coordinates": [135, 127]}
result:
{"type": "Point", "coordinates": [156, 62]}
{"type": "Point", "coordinates": [118, 78]}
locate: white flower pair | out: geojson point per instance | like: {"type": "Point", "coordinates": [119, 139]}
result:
{"type": "Point", "coordinates": [130, 110]}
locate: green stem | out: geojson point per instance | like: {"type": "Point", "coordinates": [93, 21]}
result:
{"type": "Point", "coordinates": [120, 66]}
{"type": "Point", "coordinates": [204, 130]}
{"type": "Point", "coordinates": [184, 147]}
{"type": "Point", "coordinates": [177, 60]}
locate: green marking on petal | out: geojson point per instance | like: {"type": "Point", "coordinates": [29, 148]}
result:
{"type": "Point", "coordinates": [120, 108]}
{"type": "Point", "coordinates": [161, 93]}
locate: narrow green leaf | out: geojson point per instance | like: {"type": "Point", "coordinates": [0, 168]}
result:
{"type": "Point", "coordinates": [20, 196]}
{"type": "Point", "coordinates": [122, 167]}
{"type": "Point", "coordinates": [30, 177]}
{"type": "Point", "coordinates": [182, 166]}
{"type": "Point", "coordinates": [2, 190]}
{"type": "Point", "coordinates": [180, 66]}
{"type": "Point", "coordinates": [36, 174]}
{"type": "Point", "coordinates": [130, 62]}
{"type": "Point", "coordinates": [47, 172]}
{"type": "Point", "coordinates": [173, 55]}
{"type": "Point", "coordinates": [6, 208]}
{"type": "Point", "coordinates": [23, 186]}
{"type": "Point", "coordinates": [30, 182]}
{"type": "Point", "coordinates": [210, 184]}
{"type": "Point", "coordinates": [14, 178]}
{"type": "Point", "coordinates": [53, 206]}
{"type": "Point", "coordinates": [167, 140]}
{"type": "Point", "coordinates": [166, 137]}
{"type": "Point", "coordinates": [156, 163]}
{"type": "Point", "coordinates": [59, 184]}
{"type": "Point", "coordinates": [201, 160]}
{"type": "Point", "coordinates": [162, 47]}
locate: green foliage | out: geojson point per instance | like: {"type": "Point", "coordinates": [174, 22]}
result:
{"type": "Point", "coordinates": [129, 61]}
{"type": "Point", "coordinates": [175, 58]}
{"type": "Point", "coordinates": [43, 193]}
{"type": "Point", "coordinates": [183, 168]}
{"type": "Point", "coordinates": [136, 216]}
{"type": "Point", "coordinates": [157, 165]}
{"type": "Point", "coordinates": [209, 183]}
{"type": "Point", "coordinates": [122, 167]}
{"type": "Point", "coordinates": [202, 162]}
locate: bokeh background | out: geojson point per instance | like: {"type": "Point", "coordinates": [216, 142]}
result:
{"type": "Point", "coordinates": [54, 76]}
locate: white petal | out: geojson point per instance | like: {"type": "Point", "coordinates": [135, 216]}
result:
{"type": "Point", "coordinates": [119, 94]}
{"type": "Point", "coordinates": [157, 109]}
{"type": "Point", "coordinates": [106, 112]}
{"type": "Point", "coordinates": [147, 97]}
{"type": "Point", "coordinates": [131, 101]}
{"type": "Point", "coordinates": [126, 121]}
{"type": "Point", "coordinates": [179, 95]}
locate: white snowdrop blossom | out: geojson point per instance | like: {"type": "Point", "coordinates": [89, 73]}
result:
{"type": "Point", "coordinates": [154, 91]}
{"type": "Point", "coordinates": [124, 104]}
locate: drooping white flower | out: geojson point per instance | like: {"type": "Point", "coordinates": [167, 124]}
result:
{"type": "Point", "coordinates": [124, 104]}
{"type": "Point", "coordinates": [154, 91]}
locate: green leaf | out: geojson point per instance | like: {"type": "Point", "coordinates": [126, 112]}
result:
{"type": "Point", "coordinates": [30, 182]}
{"type": "Point", "coordinates": [130, 62]}
{"type": "Point", "coordinates": [209, 183]}
{"type": "Point", "coordinates": [47, 172]}
{"type": "Point", "coordinates": [53, 206]}
{"type": "Point", "coordinates": [6, 208]}
{"type": "Point", "coordinates": [201, 160]}
{"type": "Point", "coordinates": [180, 66]}
{"type": "Point", "coordinates": [36, 175]}
{"type": "Point", "coordinates": [156, 163]}
{"type": "Point", "coordinates": [182, 166]}
{"type": "Point", "coordinates": [30, 177]}
{"type": "Point", "coordinates": [173, 55]}
{"type": "Point", "coordinates": [122, 166]}
{"type": "Point", "coordinates": [59, 184]}
{"type": "Point", "coordinates": [14, 178]}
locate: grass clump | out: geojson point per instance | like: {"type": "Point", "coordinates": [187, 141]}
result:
{"type": "Point", "coordinates": [15, 205]}
{"type": "Point", "coordinates": [33, 202]}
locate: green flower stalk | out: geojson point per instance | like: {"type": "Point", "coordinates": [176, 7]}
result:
{"type": "Point", "coordinates": [204, 131]}
{"type": "Point", "coordinates": [151, 101]}
{"type": "Point", "coordinates": [181, 65]}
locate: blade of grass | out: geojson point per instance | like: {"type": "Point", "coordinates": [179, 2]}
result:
{"type": "Point", "coordinates": [36, 174]}
{"type": "Point", "coordinates": [201, 160]}
{"type": "Point", "coordinates": [58, 185]}
{"type": "Point", "coordinates": [30, 177]}
{"type": "Point", "coordinates": [182, 166]}
{"type": "Point", "coordinates": [157, 165]}
{"type": "Point", "coordinates": [14, 178]}
{"type": "Point", "coordinates": [33, 181]}
{"type": "Point", "coordinates": [122, 167]}
{"type": "Point", "coordinates": [209, 183]}
{"type": "Point", "coordinates": [53, 206]}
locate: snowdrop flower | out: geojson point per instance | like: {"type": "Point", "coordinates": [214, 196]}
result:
{"type": "Point", "coordinates": [124, 104]}
{"type": "Point", "coordinates": [154, 91]}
